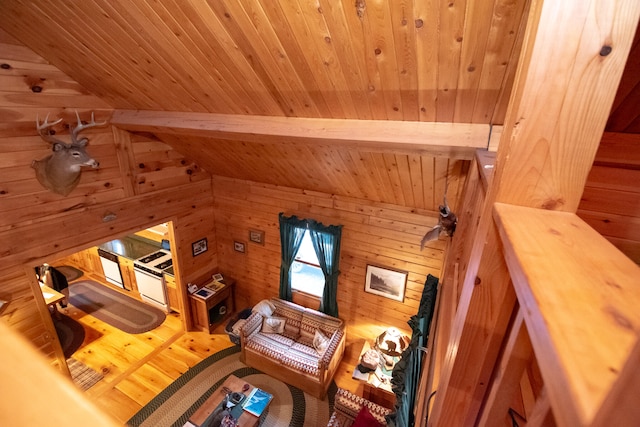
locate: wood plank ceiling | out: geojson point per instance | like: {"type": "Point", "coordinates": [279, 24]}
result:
{"type": "Point", "coordinates": [422, 60]}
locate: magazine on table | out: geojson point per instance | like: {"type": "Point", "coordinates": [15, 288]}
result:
{"type": "Point", "coordinates": [257, 401]}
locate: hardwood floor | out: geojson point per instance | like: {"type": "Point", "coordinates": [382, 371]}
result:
{"type": "Point", "coordinates": [138, 367]}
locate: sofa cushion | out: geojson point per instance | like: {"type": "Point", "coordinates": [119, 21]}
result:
{"type": "Point", "coordinates": [302, 358]}
{"type": "Point", "coordinates": [365, 419]}
{"type": "Point", "coordinates": [313, 321]}
{"type": "Point", "coordinates": [273, 325]}
{"type": "Point", "coordinates": [264, 307]}
{"type": "Point", "coordinates": [293, 313]}
{"type": "Point", "coordinates": [320, 342]}
{"type": "Point", "coordinates": [275, 346]}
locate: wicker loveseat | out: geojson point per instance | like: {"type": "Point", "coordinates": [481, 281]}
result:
{"type": "Point", "coordinates": [347, 407]}
{"type": "Point", "coordinates": [303, 350]}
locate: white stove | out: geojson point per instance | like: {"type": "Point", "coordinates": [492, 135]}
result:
{"type": "Point", "coordinates": [150, 278]}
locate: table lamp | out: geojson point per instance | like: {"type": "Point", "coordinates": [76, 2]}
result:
{"type": "Point", "coordinates": [391, 343]}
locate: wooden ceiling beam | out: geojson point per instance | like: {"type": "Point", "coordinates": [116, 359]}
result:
{"type": "Point", "coordinates": [453, 140]}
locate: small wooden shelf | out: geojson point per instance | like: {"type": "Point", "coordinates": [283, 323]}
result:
{"type": "Point", "coordinates": [580, 302]}
{"type": "Point", "coordinates": [200, 308]}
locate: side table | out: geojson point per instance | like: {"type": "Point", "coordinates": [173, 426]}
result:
{"type": "Point", "coordinates": [201, 309]}
{"type": "Point", "coordinates": [376, 386]}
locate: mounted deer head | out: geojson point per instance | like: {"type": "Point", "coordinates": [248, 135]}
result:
{"type": "Point", "coordinates": [60, 171]}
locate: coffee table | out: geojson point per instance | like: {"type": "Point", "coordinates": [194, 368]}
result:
{"type": "Point", "coordinates": [233, 383]}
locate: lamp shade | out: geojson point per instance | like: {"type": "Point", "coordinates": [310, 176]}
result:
{"type": "Point", "coordinates": [392, 343]}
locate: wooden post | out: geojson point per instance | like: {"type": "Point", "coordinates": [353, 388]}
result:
{"type": "Point", "coordinates": [572, 59]}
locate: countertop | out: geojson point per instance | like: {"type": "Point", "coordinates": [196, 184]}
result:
{"type": "Point", "coordinates": [132, 247]}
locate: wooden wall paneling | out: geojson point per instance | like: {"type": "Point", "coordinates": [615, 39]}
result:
{"type": "Point", "coordinates": [472, 57]}
{"type": "Point", "coordinates": [326, 58]}
{"type": "Point", "coordinates": [536, 96]}
{"type": "Point", "coordinates": [151, 52]}
{"type": "Point", "coordinates": [624, 115]}
{"type": "Point", "coordinates": [206, 33]}
{"type": "Point", "coordinates": [500, 60]}
{"type": "Point", "coordinates": [380, 61]}
{"type": "Point", "coordinates": [64, 58]}
{"type": "Point", "coordinates": [342, 24]}
{"type": "Point", "coordinates": [404, 36]}
{"type": "Point", "coordinates": [206, 73]}
{"type": "Point", "coordinates": [381, 53]}
{"type": "Point", "coordinates": [295, 64]}
{"type": "Point", "coordinates": [391, 166]}
{"type": "Point", "coordinates": [126, 159]}
{"type": "Point", "coordinates": [395, 237]}
{"type": "Point", "coordinates": [449, 46]}
{"type": "Point", "coordinates": [610, 200]}
{"type": "Point", "coordinates": [427, 23]}
{"type": "Point", "coordinates": [281, 84]}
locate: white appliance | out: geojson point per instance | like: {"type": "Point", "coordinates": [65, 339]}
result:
{"type": "Point", "coordinates": [150, 279]}
{"type": "Point", "coordinates": [111, 268]}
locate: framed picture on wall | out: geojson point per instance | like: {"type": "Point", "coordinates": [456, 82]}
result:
{"type": "Point", "coordinates": [199, 247]}
{"type": "Point", "coordinates": [386, 282]}
{"type": "Point", "coordinates": [256, 236]}
{"type": "Point", "coordinates": [239, 247]}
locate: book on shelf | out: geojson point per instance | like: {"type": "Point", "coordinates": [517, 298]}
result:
{"type": "Point", "coordinates": [257, 401]}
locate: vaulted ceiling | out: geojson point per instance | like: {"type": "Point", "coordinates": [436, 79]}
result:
{"type": "Point", "coordinates": [378, 60]}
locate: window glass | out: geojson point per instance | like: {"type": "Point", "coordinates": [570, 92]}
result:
{"type": "Point", "coordinates": [306, 274]}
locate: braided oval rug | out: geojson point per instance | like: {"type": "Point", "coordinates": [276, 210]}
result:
{"type": "Point", "coordinates": [175, 404]}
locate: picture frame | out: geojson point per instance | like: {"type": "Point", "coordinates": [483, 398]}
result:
{"type": "Point", "coordinates": [217, 277]}
{"type": "Point", "coordinates": [386, 282]}
{"type": "Point", "coordinates": [256, 236]}
{"type": "Point", "coordinates": [239, 247]}
{"type": "Point", "coordinates": [200, 246]}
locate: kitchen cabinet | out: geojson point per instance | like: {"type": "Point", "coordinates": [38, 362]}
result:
{"type": "Point", "coordinates": [88, 260]}
{"type": "Point", "coordinates": [172, 292]}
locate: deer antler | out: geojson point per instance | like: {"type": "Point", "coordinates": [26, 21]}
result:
{"type": "Point", "coordinates": [80, 127]}
{"type": "Point", "coordinates": [46, 125]}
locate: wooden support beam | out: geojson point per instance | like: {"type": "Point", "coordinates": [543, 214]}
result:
{"type": "Point", "coordinates": [572, 59]}
{"type": "Point", "coordinates": [454, 140]}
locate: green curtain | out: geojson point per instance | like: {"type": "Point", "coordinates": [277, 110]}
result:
{"type": "Point", "coordinates": [406, 373]}
{"type": "Point", "coordinates": [291, 233]}
{"type": "Point", "coordinates": [326, 242]}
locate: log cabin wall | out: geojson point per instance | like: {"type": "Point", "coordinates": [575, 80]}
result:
{"type": "Point", "coordinates": [611, 199]}
{"type": "Point", "coordinates": [374, 233]}
{"type": "Point", "coordinates": [141, 180]}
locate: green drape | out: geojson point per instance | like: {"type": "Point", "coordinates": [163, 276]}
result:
{"type": "Point", "coordinates": [326, 242]}
{"type": "Point", "coordinates": [291, 233]}
{"type": "Point", "coordinates": [406, 374]}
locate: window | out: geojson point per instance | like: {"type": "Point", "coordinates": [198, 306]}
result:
{"type": "Point", "coordinates": [306, 274]}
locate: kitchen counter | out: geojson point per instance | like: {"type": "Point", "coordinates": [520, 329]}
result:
{"type": "Point", "coordinates": [132, 247]}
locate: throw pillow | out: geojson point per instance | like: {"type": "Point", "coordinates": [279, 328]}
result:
{"type": "Point", "coordinates": [320, 342]}
{"type": "Point", "coordinates": [273, 325]}
{"type": "Point", "coordinates": [264, 307]}
{"type": "Point", "coordinates": [365, 419]}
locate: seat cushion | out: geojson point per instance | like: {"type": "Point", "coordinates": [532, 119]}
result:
{"type": "Point", "coordinates": [274, 346]}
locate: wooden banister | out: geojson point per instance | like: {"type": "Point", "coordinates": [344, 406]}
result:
{"type": "Point", "coordinates": [579, 297]}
